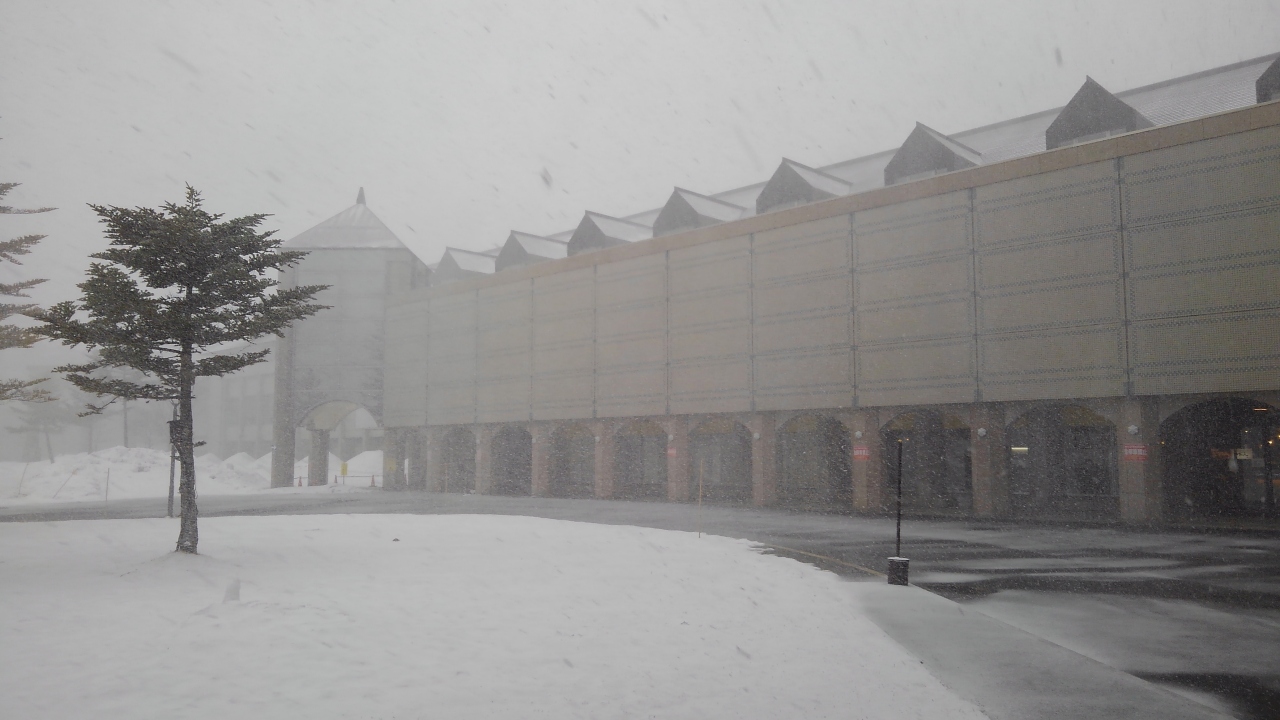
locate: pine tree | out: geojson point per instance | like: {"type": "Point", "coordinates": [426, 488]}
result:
{"type": "Point", "coordinates": [12, 336]}
{"type": "Point", "coordinates": [176, 285]}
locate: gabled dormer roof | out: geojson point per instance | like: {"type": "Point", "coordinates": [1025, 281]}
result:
{"type": "Point", "coordinates": [1092, 113]}
{"type": "Point", "coordinates": [597, 232]}
{"type": "Point", "coordinates": [354, 228]}
{"type": "Point", "coordinates": [796, 184]}
{"type": "Point", "coordinates": [525, 249]}
{"type": "Point", "coordinates": [458, 264]}
{"type": "Point", "coordinates": [928, 152]}
{"type": "Point", "coordinates": [686, 210]}
{"type": "Point", "coordinates": [1268, 84]}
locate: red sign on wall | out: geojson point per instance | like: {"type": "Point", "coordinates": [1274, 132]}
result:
{"type": "Point", "coordinates": [671, 452]}
{"type": "Point", "coordinates": [861, 453]}
{"type": "Point", "coordinates": [1135, 453]}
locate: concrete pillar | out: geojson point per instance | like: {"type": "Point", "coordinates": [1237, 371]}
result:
{"type": "Point", "coordinates": [541, 434]}
{"type": "Point", "coordinates": [318, 462]}
{"type": "Point", "coordinates": [605, 454]}
{"type": "Point", "coordinates": [764, 470]}
{"type": "Point", "coordinates": [677, 458]}
{"type": "Point", "coordinates": [392, 460]}
{"type": "Point", "coordinates": [416, 440]}
{"type": "Point", "coordinates": [1138, 445]}
{"type": "Point", "coordinates": [867, 461]}
{"type": "Point", "coordinates": [990, 458]}
{"type": "Point", "coordinates": [484, 459]}
{"type": "Point", "coordinates": [435, 459]}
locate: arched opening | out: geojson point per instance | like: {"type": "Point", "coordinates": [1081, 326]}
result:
{"type": "Point", "coordinates": [573, 458]}
{"type": "Point", "coordinates": [721, 454]}
{"type": "Point", "coordinates": [343, 430]}
{"type": "Point", "coordinates": [459, 461]}
{"type": "Point", "coordinates": [640, 462]}
{"type": "Point", "coordinates": [512, 462]}
{"type": "Point", "coordinates": [1062, 463]}
{"type": "Point", "coordinates": [937, 461]}
{"type": "Point", "coordinates": [813, 465]}
{"type": "Point", "coordinates": [1219, 459]}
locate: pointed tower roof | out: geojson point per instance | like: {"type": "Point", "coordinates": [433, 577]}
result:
{"type": "Point", "coordinates": [686, 210]}
{"type": "Point", "coordinates": [355, 227]}
{"type": "Point", "coordinates": [796, 184]}
{"type": "Point", "coordinates": [1092, 113]}
{"type": "Point", "coordinates": [1268, 84]}
{"type": "Point", "coordinates": [597, 232]}
{"type": "Point", "coordinates": [526, 249]}
{"type": "Point", "coordinates": [458, 264]}
{"type": "Point", "coordinates": [927, 152]}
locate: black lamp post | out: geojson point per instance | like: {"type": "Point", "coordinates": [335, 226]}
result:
{"type": "Point", "coordinates": [898, 564]}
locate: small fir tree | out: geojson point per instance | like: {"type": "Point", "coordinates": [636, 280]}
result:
{"type": "Point", "coordinates": [176, 285]}
{"type": "Point", "coordinates": [12, 336]}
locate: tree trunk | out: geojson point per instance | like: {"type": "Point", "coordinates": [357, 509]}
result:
{"type": "Point", "coordinates": [188, 536]}
{"type": "Point", "coordinates": [125, 412]}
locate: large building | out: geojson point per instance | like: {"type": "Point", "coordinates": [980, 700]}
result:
{"type": "Point", "coordinates": [1073, 315]}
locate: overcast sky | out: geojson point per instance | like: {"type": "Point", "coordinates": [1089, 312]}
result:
{"type": "Point", "coordinates": [465, 120]}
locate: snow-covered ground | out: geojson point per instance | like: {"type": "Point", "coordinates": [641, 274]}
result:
{"type": "Point", "coordinates": [142, 472]}
{"type": "Point", "coordinates": [406, 616]}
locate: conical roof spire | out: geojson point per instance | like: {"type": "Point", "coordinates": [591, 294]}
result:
{"type": "Point", "coordinates": [360, 197]}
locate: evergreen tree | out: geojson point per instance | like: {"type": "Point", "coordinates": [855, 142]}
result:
{"type": "Point", "coordinates": [12, 336]}
{"type": "Point", "coordinates": [176, 285]}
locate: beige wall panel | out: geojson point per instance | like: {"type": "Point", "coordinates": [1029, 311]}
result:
{"type": "Point", "coordinates": [505, 304]}
{"type": "Point", "coordinates": [1229, 173]}
{"type": "Point", "coordinates": [503, 339]}
{"type": "Point", "coordinates": [1077, 258]}
{"type": "Point", "coordinates": [917, 280]}
{"type": "Point", "coordinates": [563, 293]}
{"type": "Point", "coordinates": [563, 397]}
{"type": "Point", "coordinates": [1081, 362]}
{"type": "Point", "coordinates": [710, 266]}
{"type": "Point", "coordinates": [918, 228]}
{"type": "Point", "coordinates": [1206, 289]}
{"type": "Point", "coordinates": [814, 248]}
{"type": "Point", "coordinates": [571, 330]}
{"type": "Point", "coordinates": [1083, 302]}
{"type": "Point", "coordinates": [404, 403]}
{"type": "Point", "coordinates": [630, 352]}
{"type": "Point", "coordinates": [559, 359]}
{"type": "Point", "coordinates": [918, 321]}
{"type": "Point", "coordinates": [821, 331]}
{"type": "Point", "coordinates": [631, 321]}
{"type": "Point", "coordinates": [711, 386]}
{"type": "Point", "coordinates": [724, 341]}
{"type": "Point", "coordinates": [915, 373]}
{"type": "Point", "coordinates": [804, 380]}
{"type": "Point", "coordinates": [1077, 201]}
{"type": "Point", "coordinates": [1213, 239]}
{"type": "Point", "coordinates": [505, 400]}
{"type": "Point", "coordinates": [1212, 353]}
{"type": "Point", "coordinates": [449, 404]}
{"type": "Point", "coordinates": [818, 295]}
{"type": "Point", "coordinates": [503, 365]}
{"type": "Point", "coordinates": [693, 313]}
{"type": "Point", "coordinates": [634, 392]}
{"type": "Point", "coordinates": [631, 281]}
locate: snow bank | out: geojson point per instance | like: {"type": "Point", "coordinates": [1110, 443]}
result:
{"type": "Point", "coordinates": [435, 616]}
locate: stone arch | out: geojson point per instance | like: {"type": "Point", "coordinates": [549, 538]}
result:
{"type": "Point", "coordinates": [813, 470]}
{"type": "Point", "coordinates": [1205, 472]}
{"type": "Point", "coordinates": [640, 461]}
{"type": "Point", "coordinates": [512, 461]}
{"type": "Point", "coordinates": [937, 461]}
{"type": "Point", "coordinates": [458, 464]}
{"type": "Point", "coordinates": [573, 471]}
{"type": "Point", "coordinates": [320, 422]}
{"type": "Point", "coordinates": [1063, 463]}
{"type": "Point", "coordinates": [720, 450]}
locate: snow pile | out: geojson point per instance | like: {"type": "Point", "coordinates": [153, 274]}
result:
{"type": "Point", "coordinates": [435, 616]}
{"type": "Point", "coordinates": [131, 472]}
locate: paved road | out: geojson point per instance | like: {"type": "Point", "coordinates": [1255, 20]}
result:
{"type": "Point", "coordinates": [1194, 614]}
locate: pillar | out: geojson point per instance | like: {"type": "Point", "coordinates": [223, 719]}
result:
{"type": "Point", "coordinates": [284, 425]}
{"type": "Point", "coordinates": [677, 458]}
{"type": "Point", "coordinates": [416, 452]}
{"type": "Point", "coordinates": [392, 460]}
{"type": "Point", "coordinates": [435, 459]}
{"type": "Point", "coordinates": [318, 463]}
{"type": "Point", "coordinates": [764, 470]}
{"type": "Point", "coordinates": [990, 458]}
{"type": "Point", "coordinates": [541, 434]}
{"type": "Point", "coordinates": [604, 458]}
{"type": "Point", "coordinates": [1138, 446]}
{"type": "Point", "coordinates": [867, 461]}
{"type": "Point", "coordinates": [484, 459]}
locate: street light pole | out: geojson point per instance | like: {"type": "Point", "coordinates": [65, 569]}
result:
{"type": "Point", "coordinates": [898, 564]}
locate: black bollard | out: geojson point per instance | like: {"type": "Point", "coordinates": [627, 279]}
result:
{"type": "Point", "coordinates": [898, 570]}
{"type": "Point", "coordinates": [898, 564]}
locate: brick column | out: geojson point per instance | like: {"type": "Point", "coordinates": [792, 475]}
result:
{"type": "Point", "coordinates": [990, 460]}
{"type": "Point", "coordinates": [677, 458]}
{"type": "Point", "coordinates": [318, 462]}
{"type": "Point", "coordinates": [1139, 460]}
{"type": "Point", "coordinates": [868, 461]}
{"type": "Point", "coordinates": [764, 471]}
{"type": "Point", "coordinates": [435, 459]}
{"type": "Point", "coordinates": [484, 459]}
{"type": "Point", "coordinates": [541, 434]}
{"type": "Point", "coordinates": [604, 458]}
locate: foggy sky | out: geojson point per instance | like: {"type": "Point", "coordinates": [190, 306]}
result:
{"type": "Point", "coordinates": [450, 114]}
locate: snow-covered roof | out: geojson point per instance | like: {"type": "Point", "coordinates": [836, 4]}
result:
{"type": "Point", "coordinates": [536, 245]}
{"type": "Point", "coordinates": [355, 227]}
